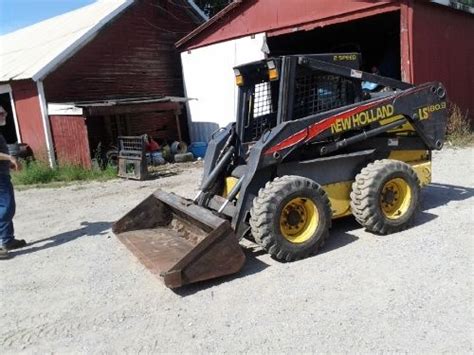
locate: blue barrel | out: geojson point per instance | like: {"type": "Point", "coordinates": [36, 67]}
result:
{"type": "Point", "coordinates": [198, 149]}
{"type": "Point", "coordinates": [155, 158]}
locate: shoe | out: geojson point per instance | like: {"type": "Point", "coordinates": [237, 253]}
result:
{"type": "Point", "coordinates": [4, 254]}
{"type": "Point", "coordinates": [14, 244]}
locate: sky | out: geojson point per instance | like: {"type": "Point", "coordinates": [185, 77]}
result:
{"type": "Point", "coordinates": [15, 14]}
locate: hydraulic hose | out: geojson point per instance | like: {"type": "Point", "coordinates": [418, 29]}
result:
{"type": "Point", "coordinates": [220, 166]}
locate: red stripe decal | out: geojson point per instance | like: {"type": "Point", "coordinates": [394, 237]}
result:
{"type": "Point", "coordinates": [290, 141]}
{"type": "Point", "coordinates": [321, 126]}
{"type": "Point", "coordinates": [315, 129]}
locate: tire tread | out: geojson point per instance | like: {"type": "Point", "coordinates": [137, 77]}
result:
{"type": "Point", "coordinates": [262, 215]}
{"type": "Point", "coordinates": [365, 195]}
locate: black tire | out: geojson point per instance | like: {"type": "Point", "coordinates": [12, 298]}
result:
{"type": "Point", "coordinates": [377, 207]}
{"type": "Point", "coordinates": [179, 147]}
{"type": "Point", "coordinates": [271, 204]}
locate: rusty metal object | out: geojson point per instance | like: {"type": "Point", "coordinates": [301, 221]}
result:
{"type": "Point", "coordinates": [131, 157]}
{"type": "Point", "coordinates": [178, 241]}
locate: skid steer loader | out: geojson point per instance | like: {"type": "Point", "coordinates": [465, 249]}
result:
{"type": "Point", "coordinates": [309, 145]}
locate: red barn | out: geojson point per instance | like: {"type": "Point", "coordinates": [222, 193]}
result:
{"type": "Point", "coordinates": [80, 79]}
{"type": "Point", "coordinates": [416, 41]}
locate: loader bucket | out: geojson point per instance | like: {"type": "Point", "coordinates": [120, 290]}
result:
{"type": "Point", "coordinates": [178, 241]}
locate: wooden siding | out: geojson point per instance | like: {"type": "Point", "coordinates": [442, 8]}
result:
{"type": "Point", "coordinates": [29, 116]}
{"type": "Point", "coordinates": [133, 56]}
{"type": "Point", "coordinates": [436, 41]}
{"type": "Point", "coordinates": [443, 50]}
{"type": "Point", "coordinates": [277, 17]}
{"type": "Point", "coordinates": [70, 140]}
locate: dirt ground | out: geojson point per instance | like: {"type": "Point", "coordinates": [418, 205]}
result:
{"type": "Point", "coordinates": [76, 288]}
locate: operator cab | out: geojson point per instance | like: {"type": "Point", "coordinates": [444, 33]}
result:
{"type": "Point", "coordinates": [280, 89]}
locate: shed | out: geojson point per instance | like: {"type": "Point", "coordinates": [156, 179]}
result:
{"type": "Point", "coordinates": [78, 80]}
{"type": "Point", "coordinates": [415, 41]}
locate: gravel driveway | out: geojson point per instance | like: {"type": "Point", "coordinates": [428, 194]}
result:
{"type": "Point", "coordinates": [77, 289]}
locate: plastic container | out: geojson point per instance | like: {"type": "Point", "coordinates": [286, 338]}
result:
{"type": "Point", "coordinates": [198, 149]}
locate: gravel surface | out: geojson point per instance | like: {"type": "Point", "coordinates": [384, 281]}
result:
{"type": "Point", "coordinates": [76, 288]}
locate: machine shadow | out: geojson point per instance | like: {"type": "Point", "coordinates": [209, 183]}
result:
{"type": "Point", "coordinates": [88, 229]}
{"type": "Point", "coordinates": [338, 239]}
{"type": "Point", "coordinates": [432, 196]}
{"type": "Point", "coordinates": [435, 195]}
{"type": "Point", "coordinates": [251, 266]}
{"type": "Point", "coordinates": [338, 236]}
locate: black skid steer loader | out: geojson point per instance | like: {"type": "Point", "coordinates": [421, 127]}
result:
{"type": "Point", "coordinates": [309, 145]}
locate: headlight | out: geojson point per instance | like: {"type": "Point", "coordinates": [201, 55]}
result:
{"type": "Point", "coordinates": [239, 79]}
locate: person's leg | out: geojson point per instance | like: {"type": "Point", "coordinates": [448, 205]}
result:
{"type": "Point", "coordinates": [7, 210]}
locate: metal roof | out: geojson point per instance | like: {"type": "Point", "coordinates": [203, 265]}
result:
{"type": "Point", "coordinates": [218, 21]}
{"type": "Point", "coordinates": [131, 101]}
{"type": "Point", "coordinates": [36, 50]}
{"type": "Point", "coordinates": [216, 18]}
{"type": "Point", "coordinates": [76, 108]}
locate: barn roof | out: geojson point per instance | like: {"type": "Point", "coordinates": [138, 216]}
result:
{"type": "Point", "coordinates": [215, 19]}
{"type": "Point", "coordinates": [36, 50]}
{"type": "Point", "coordinates": [33, 51]}
{"type": "Point", "coordinates": [220, 20]}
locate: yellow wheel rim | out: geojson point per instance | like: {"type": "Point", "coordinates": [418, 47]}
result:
{"type": "Point", "coordinates": [299, 220]}
{"type": "Point", "coordinates": [395, 198]}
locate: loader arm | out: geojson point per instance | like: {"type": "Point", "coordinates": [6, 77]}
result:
{"type": "Point", "coordinates": [409, 105]}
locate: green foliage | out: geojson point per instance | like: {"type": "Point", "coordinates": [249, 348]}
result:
{"type": "Point", "coordinates": [212, 7]}
{"type": "Point", "coordinates": [466, 2]}
{"type": "Point", "coordinates": [37, 172]}
{"type": "Point", "coordinates": [34, 173]}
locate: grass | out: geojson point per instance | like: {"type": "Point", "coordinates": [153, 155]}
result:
{"type": "Point", "coordinates": [459, 130]}
{"type": "Point", "coordinates": [39, 173]}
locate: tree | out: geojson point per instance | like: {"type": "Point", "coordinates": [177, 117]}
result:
{"type": "Point", "coordinates": [212, 7]}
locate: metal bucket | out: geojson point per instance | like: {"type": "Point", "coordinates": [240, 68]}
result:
{"type": "Point", "coordinates": [178, 241]}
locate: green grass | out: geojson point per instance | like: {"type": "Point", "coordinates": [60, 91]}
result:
{"type": "Point", "coordinates": [39, 173]}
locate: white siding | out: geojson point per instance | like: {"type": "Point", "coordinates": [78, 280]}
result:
{"type": "Point", "coordinates": [209, 81]}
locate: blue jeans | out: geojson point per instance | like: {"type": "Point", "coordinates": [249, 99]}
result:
{"type": "Point", "coordinates": [7, 209]}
